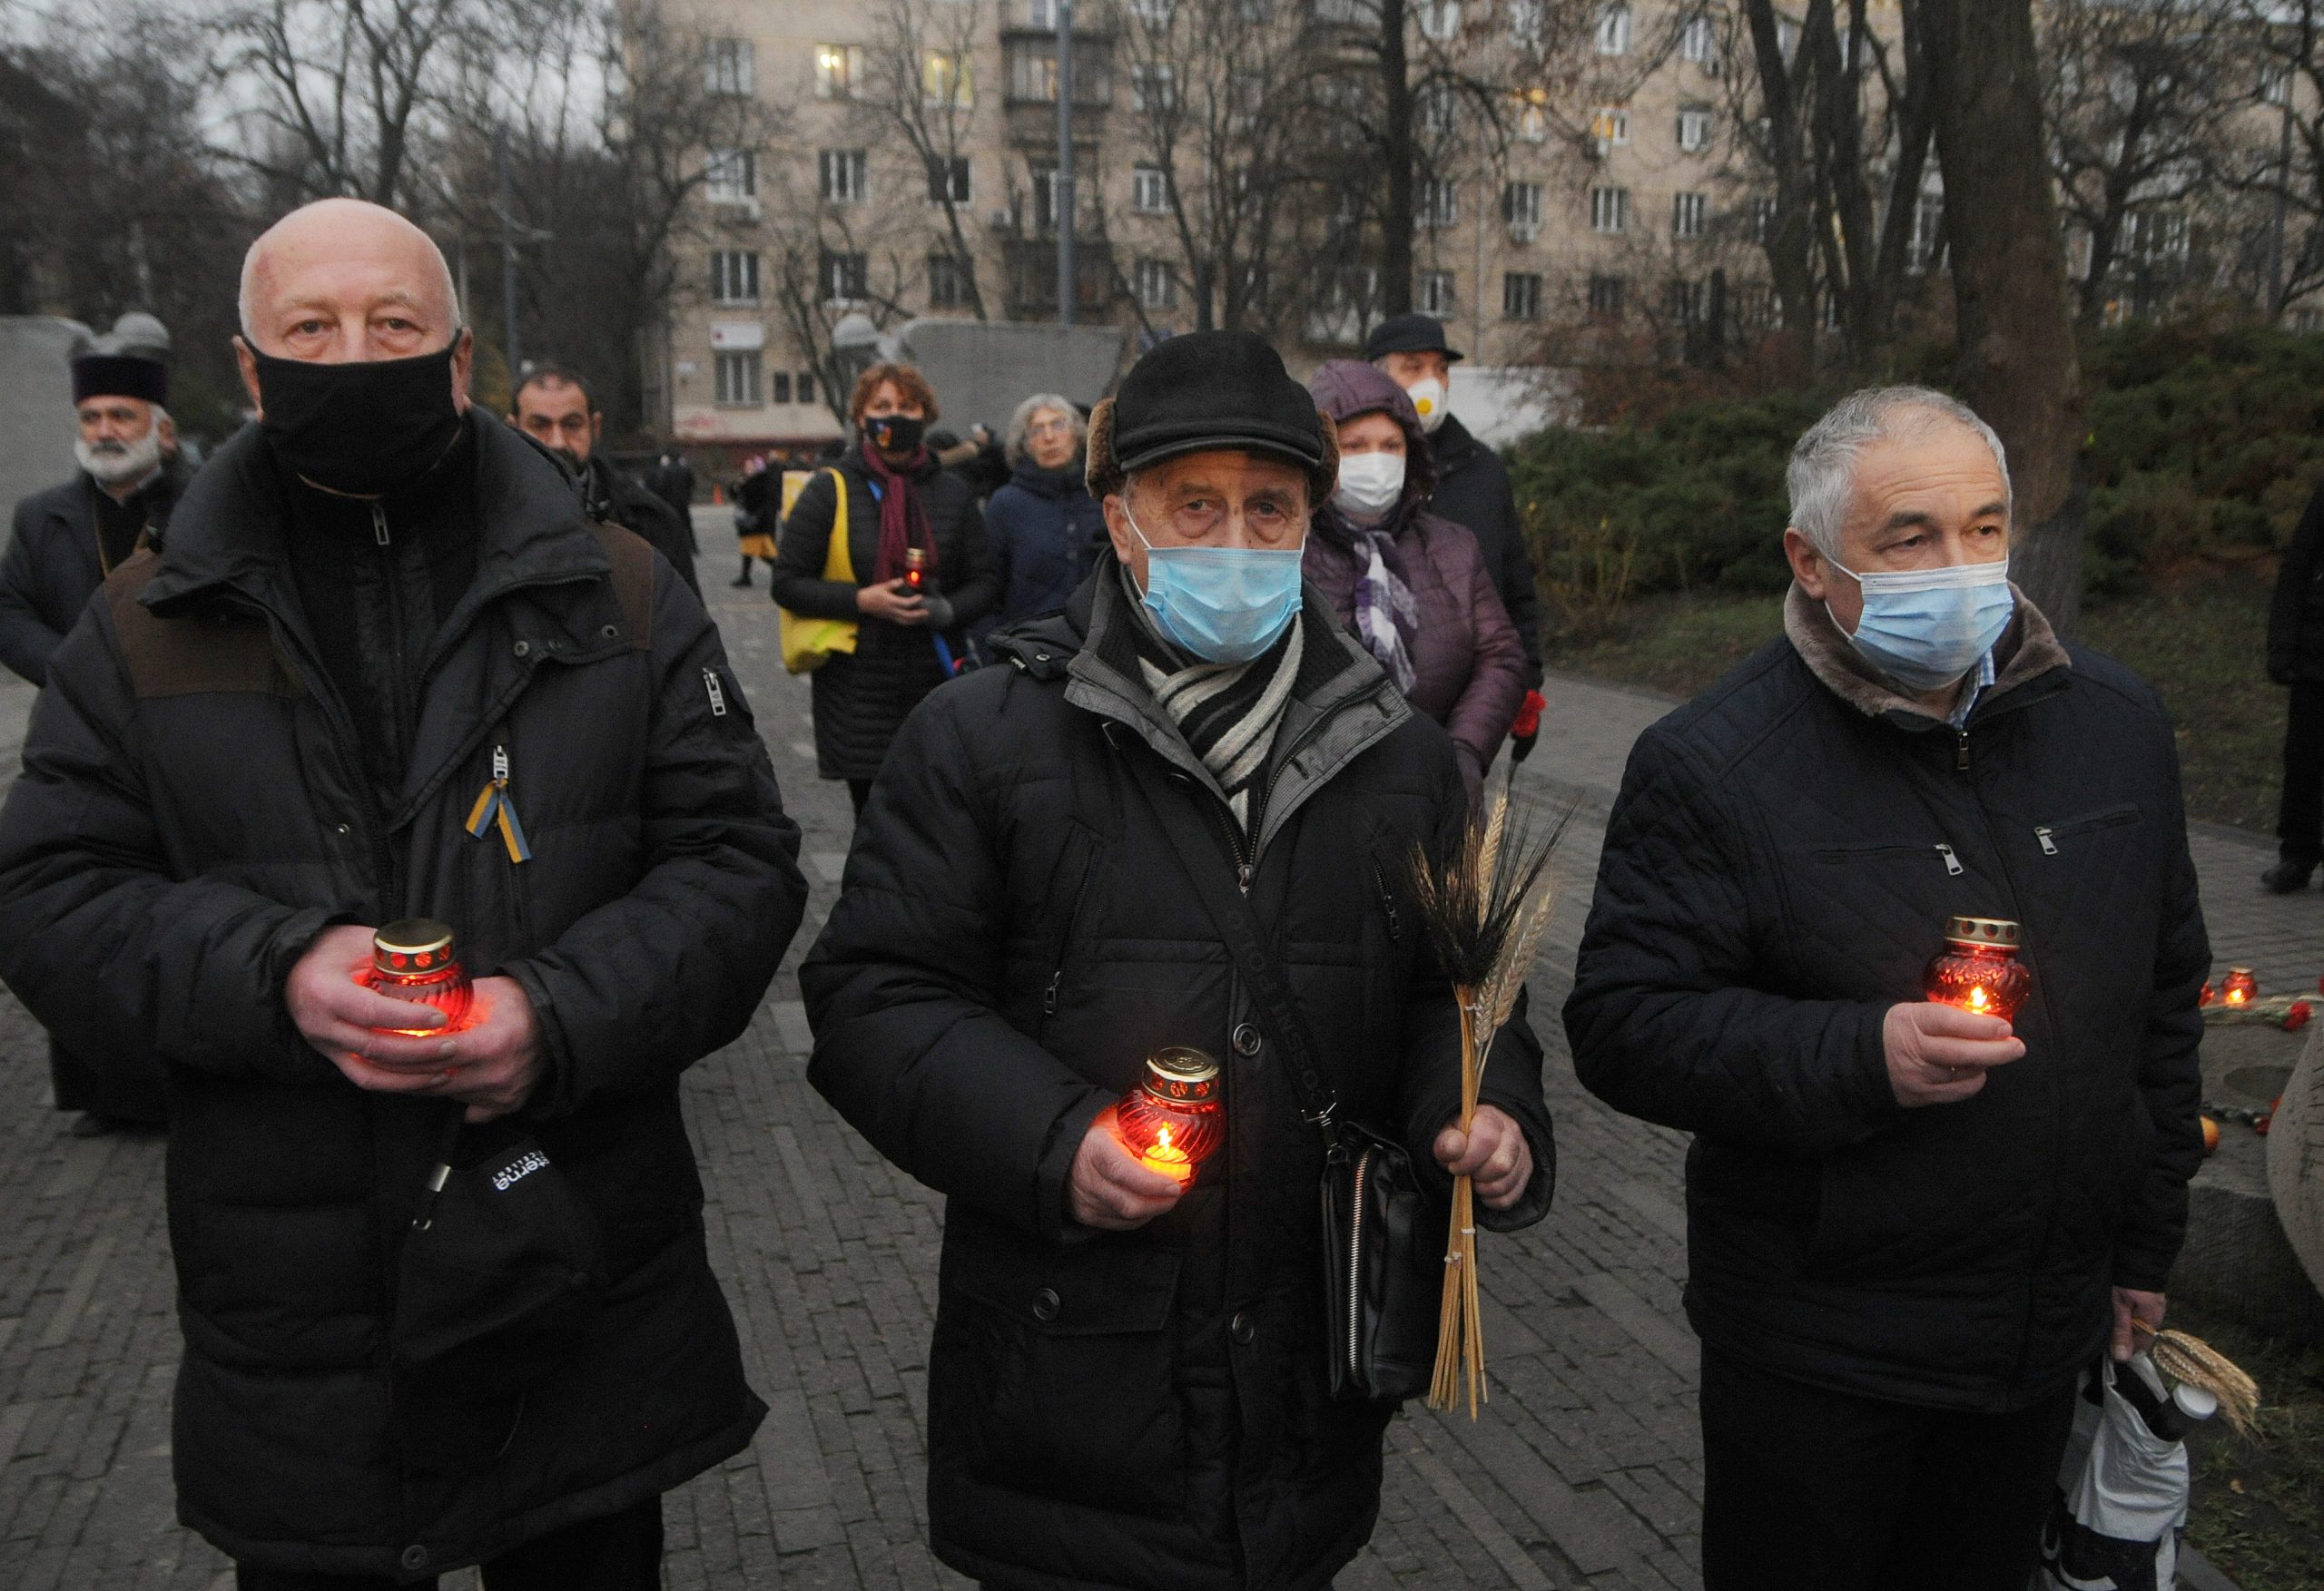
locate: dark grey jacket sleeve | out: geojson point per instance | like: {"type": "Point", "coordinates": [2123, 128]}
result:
{"type": "Point", "coordinates": [110, 950]}
{"type": "Point", "coordinates": [637, 990]}
{"type": "Point", "coordinates": [1664, 1020]}
{"type": "Point", "coordinates": [904, 988]}
{"type": "Point", "coordinates": [26, 639]}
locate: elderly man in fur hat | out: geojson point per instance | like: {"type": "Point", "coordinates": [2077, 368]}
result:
{"type": "Point", "coordinates": [1130, 1385]}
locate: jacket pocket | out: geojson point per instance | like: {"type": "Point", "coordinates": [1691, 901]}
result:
{"type": "Point", "coordinates": [1076, 867]}
{"type": "Point", "coordinates": [1054, 1373]}
{"type": "Point", "coordinates": [2055, 838]}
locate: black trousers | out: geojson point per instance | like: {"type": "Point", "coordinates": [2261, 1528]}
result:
{"type": "Point", "coordinates": [1805, 1489]}
{"type": "Point", "coordinates": [123, 1093]}
{"type": "Point", "coordinates": [859, 790]}
{"type": "Point", "coordinates": [2299, 815]}
{"type": "Point", "coordinates": [620, 1552]}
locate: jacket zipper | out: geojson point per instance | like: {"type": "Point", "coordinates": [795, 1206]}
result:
{"type": "Point", "coordinates": [2049, 846]}
{"type": "Point", "coordinates": [1961, 750]}
{"type": "Point", "coordinates": [1355, 1254]}
{"type": "Point", "coordinates": [1952, 867]}
{"type": "Point", "coordinates": [1065, 943]}
{"type": "Point", "coordinates": [717, 692]}
{"type": "Point", "coordinates": [1388, 904]}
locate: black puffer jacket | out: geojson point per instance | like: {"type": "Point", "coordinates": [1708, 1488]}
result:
{"type": "Point", "coordinates": [1776, 874]}
{"type": "Point", "coordinates": [52, 565]}
{"type": "Point", "coordinates": [193, 809]}
{"type": "Point", "coordinates": [1145, 1409]}
{"type": "Point", "coordinates": [861, 699]}
{"type": "Point", "coordinates": [1472, 491]}
{"type": "Point", "coordinates": [612, 497]}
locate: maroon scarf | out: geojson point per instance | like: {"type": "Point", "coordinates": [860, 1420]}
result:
{"type": "Point", "coordinates": [903, 519]}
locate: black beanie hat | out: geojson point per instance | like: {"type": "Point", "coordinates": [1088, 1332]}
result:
{"type": "Point", "coordinates": [1410, 334]}
{"type": "Point", "coordinates": [120, 376]}
{"type": "Point", "coordinates": [1210, 391]}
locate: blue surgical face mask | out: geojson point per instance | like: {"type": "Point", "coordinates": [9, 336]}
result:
{"type": "Point", "coordinates": [1925, 628]}
{"type": "Point", "coordinates": [1224, 604]}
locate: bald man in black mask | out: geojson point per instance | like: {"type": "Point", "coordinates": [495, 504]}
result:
{"type": "Point", "coordinates": [443, 1286]}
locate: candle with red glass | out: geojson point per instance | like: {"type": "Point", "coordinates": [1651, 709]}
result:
{"type": "Point", "coordinates": [1978, 969]}
{"type": "Point", "coordinates": [916, 571]}
{"type": "Point", "coordinates": [416, 959]}
{"type": "Point", "coordinates": [2241, 988]}
{"type": "Point", "coordinates": [1175, 1116]}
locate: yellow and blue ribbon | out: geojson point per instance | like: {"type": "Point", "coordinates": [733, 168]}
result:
{"type": "Point", "coordinates": [493, 808]}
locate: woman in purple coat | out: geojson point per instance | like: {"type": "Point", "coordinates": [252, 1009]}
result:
{"type": "Point", "coordinates": [1411, 587]}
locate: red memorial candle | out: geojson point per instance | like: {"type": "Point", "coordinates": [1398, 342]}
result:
{"type": "Point", "coordinates": [1978, 969]}
{"type": "Point", "coordinates": [417, 960]}
{"type": "Point", "coordinates": [1175, 1118]}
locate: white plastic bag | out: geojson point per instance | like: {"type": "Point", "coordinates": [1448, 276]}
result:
{"type": "Point", "coordinates": [2122, 1486]}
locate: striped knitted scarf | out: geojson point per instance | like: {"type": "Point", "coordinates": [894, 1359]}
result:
{"type": "Point", "coordinates": [1227, 711]}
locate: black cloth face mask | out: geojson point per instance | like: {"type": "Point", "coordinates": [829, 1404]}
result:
{"type": "Point", "coordinates": [895, 433]}
{"type": "Point", "coordinates": [363, 428]}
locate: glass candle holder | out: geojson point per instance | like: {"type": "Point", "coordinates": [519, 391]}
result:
{"type": "Point", "coordinates": [417, 960]}
{"type": "Point", "coordinates": [2241, 988]}
{"type": "Point", "coordinates": [1978, 969]}
{"type": "Point", "coordinates": [1177, 1115]}
{"type": "Point", "coordinates": [916, 570]}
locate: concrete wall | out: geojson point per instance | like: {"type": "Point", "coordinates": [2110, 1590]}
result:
{"type": "Point", "coordinates": [36, 403]}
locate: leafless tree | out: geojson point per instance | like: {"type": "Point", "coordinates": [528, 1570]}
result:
{"type": "Point", "coordinates": [2281, 161]}
{"type": "Point", "coordinates": [921, 89]}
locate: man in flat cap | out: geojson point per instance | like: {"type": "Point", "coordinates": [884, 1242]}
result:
{"type": "Point", "coordinates": [1471, 489]}
{"type": "Point", "coordinates": [66, 540]}
{"type": "Point", "coordinates": [1130, 1385]}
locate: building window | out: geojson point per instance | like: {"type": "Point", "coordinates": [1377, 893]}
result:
{"type": "Point", "coordinates": [1149, 190]}
{"type": "Point", "coordinates": [779, 386]}
{"type": "Point", "coordinates": [845, 276]}
{"type": "Point", "coordinates": [948, 282]}
{"type": "Point", "coordinates": [1438, 203]}
{"type": "Point", "coordinates": [1439, 19]}
{"type": "Point", "coordinates": [1158, 289]}
{"type": "Point", "coordinates": [838, 69]}
{"type": "Point", "coordinates": [1041, 14]}
{"type": "Point", "coordinates": [2156, 237]}
{"type": "Point", "coordinates": [1689, 214]}
{"type": "Point", "coordinates": [1521, 209]}
{"type": "Point", "coordinates": [733, 276]}
{"type": "Point", "coordinates": [1610, 210]}
{"type": "Point", "coordinates": [1530, 115]}
{"type": "Point", "coordinates": [945, 79]}
{"type": "Point", "coordinates": [1694, 128]}
{"type": "Point", "coordinates": [726, 66]}
{"type": "Point", "coordinates": [1439, 105]}
{"type": "Point", "coordinates": [1151, 88]}
{"type": "Point", "coordinates": [1610, 126]}
{"type": "Point", "coordinates": [1606, 297]}
{"type": "Point", "coordinates": [1526, 20]}
{"type": "Point", "coordinates": [1763, 219]}
{"type": "Point", "coordinates": [737, 380]}
{"type": "Point", "coordinates": [730, 175]}
{"type": "Point", "coordinates": [1434, 294]}
{"type": "Point", "coordinates": [843, 175]}
{"type": "Point", "coordinates": [948, 180]}
{"type": "Point", "coordinates": [1699, 42]}
{"type": "Point", "coordinates": [807, 386]}
{"type": "Point", "coordinates": [1521, 296]}
{"type": "Point", "coordinates": [1613, 34]}
{"type": "Point", "coordinates": [1682, 303]}
{"type": "Point", "coordinates": [1928, 241]}
{"type": "Point", "coordinates": [1155, 14]}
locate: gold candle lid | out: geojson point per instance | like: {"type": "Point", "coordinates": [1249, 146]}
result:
{"type": "Point", "coordinates": [416, 944]}
{"type": "Point", "coordinates": [1182, 1075]}
{"type": "Point", "coordinates": [1982, 930]}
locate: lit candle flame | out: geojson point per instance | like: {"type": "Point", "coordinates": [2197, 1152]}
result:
{"type": "Point", "coordinates": [2235, 997]}
{"type": "Point", "coordinates": [1167, 1157]}
{"type": "Point", "coordinates": [1977, 998]}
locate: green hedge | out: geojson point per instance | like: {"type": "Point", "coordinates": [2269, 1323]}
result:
{"type": "Point", "coordinates": [2205, 444]}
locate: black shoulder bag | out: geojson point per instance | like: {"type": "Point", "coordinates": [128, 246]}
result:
{"type": "Point", "coordinates": [1383, 1262]}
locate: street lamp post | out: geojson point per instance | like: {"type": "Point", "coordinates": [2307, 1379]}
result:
{"type": "Point", "coordinates": [1061, 186]}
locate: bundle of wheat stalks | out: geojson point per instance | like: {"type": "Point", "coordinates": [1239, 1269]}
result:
{"type": "Point", "coordinates": [1485, 907]}
{"type": "Point", "coordinates": [2198, 1364]}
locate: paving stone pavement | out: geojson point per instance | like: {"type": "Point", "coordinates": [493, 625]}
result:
{"type": "Point", "coordinates": [1584, 1470]}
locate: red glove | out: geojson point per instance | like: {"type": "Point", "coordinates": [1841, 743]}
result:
{"type": "Point", "coordinates": [1526, 727]}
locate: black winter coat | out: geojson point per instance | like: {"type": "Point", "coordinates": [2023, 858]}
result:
{"type": "Point", "coordinates": [1472, 490]}
{"type": "Point", "coordinates": [1145, 1409]}
{"type": "Point", "coordinates": [612, 497]}
{"type": "Point", "coordinates": [2296, 615]}
{"type": "Point", "coordinates": [1047, 534]}
{"type": "Point", "coordinates": [861, 699]}
{"type": "Point", "coordinates": [1777, 873]}
{"type": "Point", "coordinates": [53, 566]}
{"type": "Point", "coordinates": [193, 812]}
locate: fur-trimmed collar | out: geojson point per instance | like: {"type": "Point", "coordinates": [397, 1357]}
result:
{"type": "Point", "coordinates": [2027, 650]}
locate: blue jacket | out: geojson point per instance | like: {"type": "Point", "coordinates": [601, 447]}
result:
{"type": "Point", "coordinates": [1045, 528]}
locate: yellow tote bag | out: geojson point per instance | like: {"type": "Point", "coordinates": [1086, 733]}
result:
{"type": "Point", "coordinates": [808, 642]}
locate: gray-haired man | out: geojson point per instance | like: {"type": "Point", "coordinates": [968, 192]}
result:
{"type": "Point", "coordinates": [1910, 1227]}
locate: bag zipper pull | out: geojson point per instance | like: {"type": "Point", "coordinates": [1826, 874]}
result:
{"type": "Point", "coordinates": [717, 692]}
{"type": "Point", "coordinates": [1952, 863]}
{"type": "Point", "coordinates": [2049, 846]}
{"type": "Point", "coordinates": [378, 524]}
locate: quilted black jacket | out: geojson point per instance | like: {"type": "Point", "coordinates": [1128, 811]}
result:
{"type": "Point", "coordinates": [1145, 1409]}
{"type": "Point", "coordinates": [1777, 873]}
{"type": "Point", "coordinates": [194, 809]}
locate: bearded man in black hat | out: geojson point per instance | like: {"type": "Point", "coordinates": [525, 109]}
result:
{"type": "Point", "coordinates": [1472, 490]}
{"type": "Point", "coordinates": [1131, 1384]}
{"type": "Point", "coordinates": [384, 668]}
{"type": "Point", "coordinates": [66, 540]}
